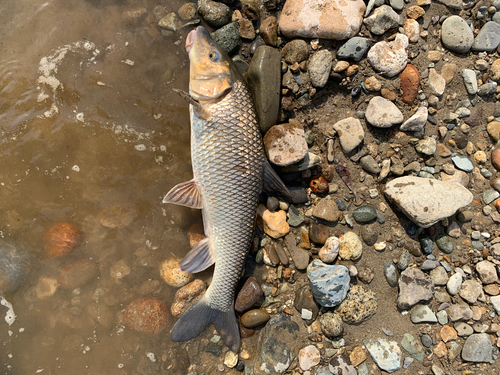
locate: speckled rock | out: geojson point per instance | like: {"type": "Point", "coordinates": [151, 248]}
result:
{"type": "Point", "coordinates": [319, 67]}
{"type": "Point", "coordinates": [304, 18]}
{"type": "Point", "coordinates": [359, 306]}
{"type": "Point", "coordinates": [214, 13]}
{"type": "Point", "coordinates": [327, 210]}
{"type": "Point", "coordinates": [389, 58]}
{"type": "Point", "coordinates": [186, 297]}
{"type": "Point", "coordinates": [426, 201]}
{"type": "Point", "coordinates": [341, 365]}
{"type": "Point", "coordinates": [382, 113]}
{"type": "Point", "coordinates": [487, 272]}
{"type": "Point", "coordinates": [351, 247]}
{"type": "Point", "coordinates": [414, 286]}
{"type": "Point", "coordinates": [295, 51]}
{"type": "Point", "coordinates": [273, 224]}
{"type": "Point", "coordinates": [228, 37]}
{"type": "Point", "coordinates": [330, 250]}
{"type": "Point", "coordinates": [470, 291]}
{"type": "Point", "coordinates": [146, 315]}
{"type": "Point", "coordinates": [331, 324]}
{"type": "Point", "coordinates": [172, 275]}
{"type": "Point", "coordinates": [329, 283]}
{"type": "Point", "coordinates": [386, 354]}
{"type": "Point", "coordinates": [285, 144]}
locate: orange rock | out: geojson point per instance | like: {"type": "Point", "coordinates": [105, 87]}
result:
{"type": "Point", "coordinates": [415, 12]}
{"type": "Point", "coordinates": [448, 333]}
{"type": "Point", "coordinates": [495, 158]}
{"type": "Point", "coordinates": [146, 315]}
{"type": "Point", "coordinates": [410, 79]}
{"type": "Point", "coordinates": [186, 297]}
{"type": "Point", "coordinates": [61, 239]}
{"type": "Point", "coordinates": [273, 224]}
{"type": "Point", "coordinates": [319, 185]}
{"type": "Point", "coordinates": [497, 204]}
{"type": "Point", "coordinates": [172, 274]}
{"type": "Point", "coordinates": [440, 350]}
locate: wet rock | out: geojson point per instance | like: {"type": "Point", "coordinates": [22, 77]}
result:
{"type": "Point", "coordinates": [389, 58]}
{"type": "Point", "coordinates": [423, 314]}
{"type": "Point", "coordinates": [264, 81]}
{"type": "Point", "coordinates": [478, 348]}
{"type": "Point", "coordinates": [414, 286]}
{"type": "Point", "coordinates": [170, 22]}
{"type": "Point", "coordinates": [331, 324]}
{"type": "Point", "coordinates": [300, 257]}
{"type": "Point", "coordinates": [78, 274]}
{"type": "Point", "coordinates": [186, 297]}
{"type": "Point", "coordinates": [329, 283]}
{"type": "Point", "coordinates": [330, 250]}
{"type": "Point", "coordinates": [359, 306]}
{"type": "Point", "coordinates": [391, 274]}
{"type": "Point", "coordinates": [351, 247]}
{"type": "Point", "coordinates": [187, 11]}
{"type": "Point", "coordinates": [61, 239]}
{"type": "Point", "coordinates": [302, 18]}
{"type": "Point", "coordinates": [470, 291]}
{"type": "Point", "coordinates": [269, 31]}
{"type": "Point", "coordinates": [355, 48]}
{"type": "Point", "coordinates": [45, 288]}
{"type": "Point", "coordinates": [228, 37]}
{"type": "Point", "coordinates": [146, 315]}
{"type": "Point", "coordinates": [248, 296]}
{"type": "Point", "coordinates": [254, 318]}
{"type": "Point", "coordinates": [382, 19]}
{"type": "Point", "coordinates": [327, 210]}
{"type": "Point", "coordinates": [273, 224]}
{"type": "Point", "coordinates": [309, 357]}
{"type": "Point", "coordinates": [319, 67]}
{"type": "Point", "coordinates": [285, 144]}
{"type": "Point", "coordinates": [382, 113]}
{"type": "Point", "coordinates": [216, 14]}
{"type": "Point", "coordinates": [488, 37]}
{"type": "Point", "coordinates": [426, 201]}
{"type": "Point", "coordinates": [410, 79]}
{"type": "Point", "coordinates": [341, 365]}
{"type": "Point", "coordinates": [456, 34]}
{"type": "Point", "coordinates": [278, 345]}
{"type": "Point", "coordinates": [364, 214]}
{"type": "Point", "coordinates": [304, 300]}
{"type": "Point", "coordinates": [413, 347]}
{"type": "Point", "coordinates": [172, 275]}
{"type": "Point", "coordinates": [350, 132]}
{"type": "Point", "coordinates": [386, 354]}
{"type": "Point", "coordinates": [295, 51]}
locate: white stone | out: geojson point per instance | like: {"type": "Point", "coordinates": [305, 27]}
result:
{"type": "Point", "coordinates": [350, 133]}
{"type": "Point", "coordinates": [454, 283]}
{"type": "Point", "coordinates": [382, 113]}
{"type": "Point", "coordinates": [309, 357]}
{"type": "Point", "coordinates": [427, 201]}
{"type": "Point", "coordinates": [330, 250]}
{"type": "Point", "coordinates": [389, 58]}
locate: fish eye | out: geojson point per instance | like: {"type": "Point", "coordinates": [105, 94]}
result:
{"type": "Point", "coordinates": [214, 56]}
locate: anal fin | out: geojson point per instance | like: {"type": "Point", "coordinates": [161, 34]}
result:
{"type": "Point", "coordinates": [184, 194]}
{"type": "Point", "coordinates": [272, 182]}
{"type": "Point", "coordinates": [199, 258]}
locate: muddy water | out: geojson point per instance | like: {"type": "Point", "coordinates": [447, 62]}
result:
{"type": "Point", "coordinates": [90, 133]}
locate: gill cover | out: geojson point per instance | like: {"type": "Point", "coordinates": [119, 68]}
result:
{"type": "Point", "coordinates": [211, 72]}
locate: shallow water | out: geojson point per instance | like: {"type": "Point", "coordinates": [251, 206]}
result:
{"type": "Point", "coordinates": [90, 126]}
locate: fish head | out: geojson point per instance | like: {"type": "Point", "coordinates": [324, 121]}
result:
{"type": "Point", "coordinates": [211, 70]}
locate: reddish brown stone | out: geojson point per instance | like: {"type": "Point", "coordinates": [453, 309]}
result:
{"type": "Point", "coordinates": [497, 204]}
{"type": "Point", "coordinates": [246, 332]}
{"type": "Point", "coordinates": [410, 79]}
{"type": "Point", "coordinates": [269, 31]}
{"type": "Point", "coordinates": [146, 315]}
{"type": "Point", "coordinates": [249, 295]}
{"type": "Point", "coordinates": [495, 158]}
{"type": "Point", "coordinates": [254, 318]}
{"type": "Point", "coordinates": [186, 297]}
{"type": "Point", "coordinates": [78, 274]}
{"type": "Point", "coordinates": [61, 239]}
{"type": "Point", "coordinates": [319, 185]}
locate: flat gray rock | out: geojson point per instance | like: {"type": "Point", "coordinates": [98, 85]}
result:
{"type": "Point", "coordinates": [488, 37]}
{"type": "Point", "coordinates": [456, 35]}
{"type": "Point", "coordinates": [478, 348]}
{"type": "Point", "coordinates": [414, 287]}
{"type": "Point", "coordinates": [426, 201]}
{"type": "Point", "coordinates": [355, 48]}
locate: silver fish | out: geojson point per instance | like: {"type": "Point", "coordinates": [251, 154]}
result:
{"type": "Point", "coordinates": [230, 170]}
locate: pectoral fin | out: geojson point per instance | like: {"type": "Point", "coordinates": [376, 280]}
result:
{"type": "Point", "coordinates": [199, 258]}
{"type": "Point", "coordinates": [184, 194]}
{"type": "Point", "coordinates": [199, 108]}
{"type": "Point", "coordinates": [272, 182]}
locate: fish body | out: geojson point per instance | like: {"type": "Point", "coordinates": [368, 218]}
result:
{"type": "Point", "coordinates": [229, 168]}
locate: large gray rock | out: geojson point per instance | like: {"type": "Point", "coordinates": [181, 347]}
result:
{"type": "Point", "coordinates": [456, 35]}
{"type": "Point", "coordinates": [329, 283]}
{"type": "Point", "coordinates": [264, 81]}
{"type": "Point", "coordinates": [426, 201]}
{"type": "Point", "coordinates": [488, 37]}
{"type": "Point", "coordinates": [414, 286]}
{"type": "Point", "coordinates": [478, 348]}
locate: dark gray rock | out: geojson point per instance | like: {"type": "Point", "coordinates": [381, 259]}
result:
{"type": "Point", "coordinates": [214, 13]}
{"type": "Point", "coordinates": [228, 37]}
{"type": "Point", "coordinates": [369, 234]}
{"type": "Point", "coordinates": [355, 48]}
{"type": "Point", "coordinates": [304, 299]}
{"type": "Point", "coordinates": [404, 260]}
{"type": "Point", "coordinates": [369, 164]}
{"type": "Point", "coordinates": [299, 256]}
{"type": "Point", "coordinates": [264, 81]}
{"type": "Point", "coordinates": [444, 244]}
{"type": "Point", "coordinates": [364, 214]}
{"type": "Point", "coordinates": [294, 217]}
{"type": "Point", "coordinates": [391, 274]}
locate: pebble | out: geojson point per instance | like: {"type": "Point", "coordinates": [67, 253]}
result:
{"type": "Point", "coordinates": [495, 70]}
{"type": "Point", "coordinates": [295, 219]}
{"type": "Point", "coordinates": [454, 284]}
{"type": "Point", "coordinates": [248, 296]}
{"type": "Point", "coordinates": [391, 274]}
{"type": "Point", "coordinates": [350, 133]}
{"type": "Point", "coordinates": [470, 81]}
{"type": "Point", "coordinates": [351, 247]}
{"type": "Point", "coordinates": [273, 224]}
{"type": "Point", "coordinates": [490, 195]}
{"type": "Point", "coordinates": [364, 214]}
{"type": "Point", "coordinates": [373, 84]}
{"type": "Point", "coordinates": [45, 288]}
{"type": "Point", "coordinates": [436, 83]}
{"type": "Point", "coordinates": [414, 286]}
{"type": "Point", "coordinates": [329, 252]}
{"type": "Point", "coordinates": [456, 34]}
{"type": "Point", "coordinates": [478, 348]}
{"type": "Point", "coordinates": [264, 82]}
{"type": "Point", "coordinates": [61, 239]}
{"type": "Point", "coordinates": [299, 256]}
{"type": "Point", "coordinates": [410, 79]}
{"type": "Point", "coordinates": [404, 260]}
{"type": "Point", "coordinates": [412, 30]}
{"type": "Point", "coordinates": [448, 72]}
{"type": "Point", "coordinates": [369, 164]}
{"type": "Point", "coordinates": [331, 324]}
{"type": "Point", "coordinates": [416, 122]}
{"type": "Point", "coordinates": [146, 315]}
{"type": "Point", "coordinates": [444, 244]}
{"type": "Point", "coordinates": [488, 37]}
{"type": "Point", "coordinates": [186, 297]}
{"type": "Point", "coordinates": [389, 58]}
{"type": "Point", "coordinates": [319, 185]}
{"type": "Point", "coordinates": [382, 19]}
{"type": "Point", "coordinates": [355, 48]}
{"type": "Point", "coordinates": [319, 68]}
{"type": "Point", "coordinates": [448, 333]}
{"type": "Point", "coordinates": [493, 129]}
{"type": "Point", "coordinates": [426, 146]}
{"type": "Point", "coordinates": [359, 306]}
{"type": "Point", "coordinates": [329, 283]}
{"type": "Point", "coordinates": [254, 318]}
{"type": "Point", "coordinates": [327, 210]}
{"type": "Point", "coordinates": [423, 314]}
{"type": "Point", "coordinates": [341, 365]}
{"type": "Point", "coordinates": [295, 51]}
{"type": "Point", "coordinates": [304, 301]}
{"type": "Point", "coordinates": [487, 89]}
{"type": "Point", "coordinates": [426, 244]}
{"type": "Point", "coordinates": [439, 276]}
{"type": "Point", "coordinates": [382, 113]}
{"type": "Point", "coordinates": [495, 302]}
{"type": "Point", "coordinates": [442, 317]}
{"type": "Point", "coordinates": [300, 18]}
{"type": "Point", "coordinates": [386, 354]}
{"type": "Point", "coordinates": [463, 329]}
{"type": "Point", "coordinates": [172, 274]}
{"type": "Point", "coordinates": [426, 201]}
{"type": "Point", "coordinates": [268, 30]}
{"type": "Point", "coordinates": [413, 346]}
{"type": "Point", "coordinates": [495, 158]}
{"type": "Point", "coordinates": [187, 11]}
{"type": "Point", "coordinates": [309, 357]}
{"type": "Point", "coordinates": [285, 144]}
{"type": "Point", "coordinates": [228, 37]}
{"type": "Point", "coordinates": [78, 274]}
{"type": "Point", "coordinates": [214, 13]}
{"type": "Point", "coordinates": [470, 291]}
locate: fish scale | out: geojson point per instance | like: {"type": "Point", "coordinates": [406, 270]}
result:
{"type": "Point", "coordinates": [231, 191]}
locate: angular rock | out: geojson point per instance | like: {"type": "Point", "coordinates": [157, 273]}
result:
{"type": "Point", "coordinates": [382, 19]}
{"type": "Point", "coordinates": [423, 314]}
{"type": "Point", "coordinates": [327, 210]}
{"type": "Point", "coordinates": [312, 18]}
{"type": "Point", "coordinates": [285, 144]}
{"type": "Point", "coordinates": [470, 291]}
{"type": "Point", "coordinates": [488, 37]}
{"type": "Point", "coordinates": [386, 354]}
{"type": "Point", "coordinates": [309, 357]}
{"type": "Point", "coordinates": [414, 286]}
{"type": "Point", "coordinates": [355, 48]}
{"type": "Point", "coordinates": [487, 272]}
{"type": "Point", "coordinates": [382, 113]}
{"type": "Point", "coordinates": [416, 122]}
{"type": "Point", "coordinates": [389, 58]}
{"type": "Point", "coordinates": [341, 365]}
{"type": "Point", "coordinates": [299, 256]}
{"type": "Point", "coordinates": [273, 224]}
{"type": "Point", "coordinates": [425, 201]}
{"type": "Point", "coordinates": [413, 347]}
{"type": "Point", "coordinates": [478, 348]}
{"type": "Point", "coordinates": [436, 83]}
{"type": "Point", "coordinates": [329, 283]}
{"type": "Point", "coordinates": [470, 81]}
{"type": "Point", "coordinates": [350, 132]}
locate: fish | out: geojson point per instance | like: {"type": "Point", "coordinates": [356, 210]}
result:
{"type": "Point", "coordinates": [230, 170]}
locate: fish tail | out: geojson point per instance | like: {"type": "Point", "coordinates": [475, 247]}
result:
{"type": "Point", "coordinates": [195, 320]}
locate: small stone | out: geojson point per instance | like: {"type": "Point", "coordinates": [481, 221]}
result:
{"type": "Point", "coordinates": [187, 11]}
{"type": "Point", "coordinates": [340, 364]}
{"type": "Point", "coordinates": [254, 318]}
{"type": "Point", "coordinates": [330, 250]}
{"type": "Point", "coordinates": [423, 314]}
{"type": "Point", "coordinates": [248, 296]}
{"type": "Point", "coordinates": [172, 274]}
{"type": "Point", "coordinates": [230, 359]}
{"type": "Point", "coordinates": [448, 333]}
{"type": "Point", "coordinates": [295, 51]}
{"type": "Point", "coordinates": [470, 291]}
{"type": "Point", "coordinates": [413, 347]}
{"type": "Point", "coordinates": [331, 324]}
{"type": "Point", "coordinates": [412, 30]}
{"type": "Point", "coordinates": [309, 357]}
{"type": "Point", "coordinates": [487, 89]}
{"type": "Point", "coordinates": [495, 158]}
{"type": "Point", "coordinates": [478, 348]}
{"type": "Point", "coordinates": [488, 37]}
{"type": "Point", "coordinates": [364, 214]}
{"type": "Point", "coordinates": [389, 58]}
{"type": "Point", "coordinates": [369, 164]}
{"type": "Point", "coordinates": [439, 276]}
{"type": "Point", "coordinates": [355, 48]}
{"type": "Point", "coordinates": [426, 146]}
{"type": "Point", "coordinates": [416, 122]}
{"type": "Point", "coordinates": [415, 12]}
{"type": "Point", "coordinates": [357, 356]}
{"type": "Point", "coordinates": [414, 286]}
{"type": "Point", "coordinates": [410, 79]}
{"type": "Point", "coordinates": [214, 13]}
{"type": "Point", "coordinates": [448, 72]}
{"type": "Point", "coordinates": [463, 329]}
{"type": "Point", "coordinates": [78, 274]}
{"type": "Point", "coordinates": [319, 67]}
{"type": "Point", "coordinates": [300, 257]}
{"type": "Point", "coordinates": [454, 283]}
{"type": "Point", "coordinates": [46, 287]}
{"type": "Point", "coordinates": [319, 185]}
{"type": "Point", "coordinates": [359, 305]}
{"type": "Point", "coordinates": [269, 31]}
{"type": "Point", "coordinates": [373, 84]}
{"type": "Point", "coordinates": [382, 19]}
{"type": "Point", "coordinates": [146, 315]}
{"type": "Point", "coordinates": [186, 297]}
{"type": "Point", "coordinates": [386, 354]}
{"type": "Point", "coordinates": [351, 247]}
{"type": "Point", "coordinates": [273, 224]}
{"type": "Point", "coordinates": [228, 37]}
{"type": "Point", "coordinates": [350, 133]}
{"type": "Point", "coordinates": [487, 272]}
{"type": "Point", "coordinates": [444, 244]}
{"type": "Point", "coordinates": [436, 83]}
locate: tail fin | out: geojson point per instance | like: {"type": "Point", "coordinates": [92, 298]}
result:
{"type": "Point", "coordinates": [194, 321]}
